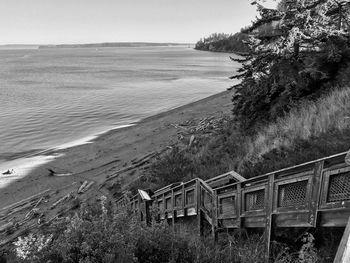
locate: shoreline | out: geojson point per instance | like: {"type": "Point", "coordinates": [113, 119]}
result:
{"type": "Point", "coordinates": [112, 149]}
{"type": "Point", "coordinates": [22, 166]}
{"type": "Point", "coordinates": [94, 137]}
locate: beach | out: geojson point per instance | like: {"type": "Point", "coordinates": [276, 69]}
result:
{"type": "Point", "coordinates": [110, 152]}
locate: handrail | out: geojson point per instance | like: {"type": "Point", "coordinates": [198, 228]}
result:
{"type": "Point", "coordinates": [232, 174]}
{"type": "Point", "coordinates": [168, 188]}
{"type": "Point", "coordinates": [259, 177]}
{"type": "Point", "coordinates": [306, 163]}
{"type": "Point", "coordinates": [206, 185]}
{"type": "Point", "coordinates": [165, 190]}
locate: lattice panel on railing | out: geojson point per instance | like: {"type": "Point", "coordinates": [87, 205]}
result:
{"type": "Point", "coordinates": [292, 194]}
{"type": "Point", "coordinates": [190, 197]}
{"type": "Point", "coordinates": [160, 206]}
{"type": "Point", "coordinates": [339, 187]}
{"type": "Point", "coordinates": [255, 200]}
{"type": "Point", "coordinates": [227, 206]}
{"type": "Point", "coordinates": [178, 200]}
{"type": "Point", "coordinates": [206, 200]}
{"type": "Point", "coordinates": [168, 203]}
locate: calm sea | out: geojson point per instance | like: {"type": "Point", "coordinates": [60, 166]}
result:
{"type": "Point", "coordinates": [54, 97]}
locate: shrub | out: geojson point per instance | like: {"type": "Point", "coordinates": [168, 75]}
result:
{"type": "Point", "coordinates": [92, 235]}
{"type": "Point", "coordinates": [172, 167]}
{"type": "Point", "coordinates": [158, 244]}
{"type": "Point", "coordinates": [27, 248]}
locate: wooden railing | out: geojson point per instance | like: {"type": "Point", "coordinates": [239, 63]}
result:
{"type": "Point", "coordinates": [312, 194]}
{"type": "Point", "coordinates": [177, 201]}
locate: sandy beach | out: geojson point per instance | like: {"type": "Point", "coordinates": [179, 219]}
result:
{"type": "Point", "coordinates": [111, 152]}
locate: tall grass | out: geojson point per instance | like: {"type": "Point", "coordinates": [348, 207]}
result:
{"type": "Point", "coordinates": [326, 116]}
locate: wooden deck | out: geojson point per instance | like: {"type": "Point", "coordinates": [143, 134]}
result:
{"type": "Point", "coordinates": [312, 194]}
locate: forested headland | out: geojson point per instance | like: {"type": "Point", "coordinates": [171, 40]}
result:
{"type": "Point", "coordinates": [221, 42]}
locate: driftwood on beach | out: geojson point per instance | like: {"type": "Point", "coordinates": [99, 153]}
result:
{"type": "Point", "coordinates": [68, 196]}
{"type": "Point", "coordinates": [205, 125]}
{"type": "Point", "coordinates": [22, 205]}
{"type": "Point", "coordinates": [136, 163]}
{"type": "Point", "coordinates": [85, 186]}
{"type": "Point", "coordinates": [30, 212]}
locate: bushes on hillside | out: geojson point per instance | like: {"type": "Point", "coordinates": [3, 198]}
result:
{"type": "Point", "coordinates": [172, 167]}
{"type": "Point", "coordinates": [157, 244]}
{"type": "Point", "coordinates": [92, 235]}
{"type": "Point", "coordinates": [99, 234]}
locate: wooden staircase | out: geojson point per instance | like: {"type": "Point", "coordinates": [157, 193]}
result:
{"type": "Point", "coordinates": [312, 194]}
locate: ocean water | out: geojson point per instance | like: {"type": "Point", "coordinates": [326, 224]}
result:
{"type": "Point", "coordinates": [54, 97]}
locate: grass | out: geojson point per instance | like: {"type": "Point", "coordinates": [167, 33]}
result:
{"type": "Point", "coordinates": [330, 114]}
{"type": "Point", "coordinates": [312, 130]}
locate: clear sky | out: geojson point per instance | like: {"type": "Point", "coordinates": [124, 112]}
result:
{"type": "Point", "coordinates": [92, 21]}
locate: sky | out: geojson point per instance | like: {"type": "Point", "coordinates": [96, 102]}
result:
{"type": "Point", "coordinates": [95, 21]}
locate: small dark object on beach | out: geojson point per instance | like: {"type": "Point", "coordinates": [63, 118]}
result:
{"type": "Point", "coordinates": [8, 172]}
{"type": "Point", "coordinates": [52, 172]}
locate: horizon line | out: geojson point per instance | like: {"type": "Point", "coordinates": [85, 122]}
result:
{"type": "Point", "coordinates": [92, 43]}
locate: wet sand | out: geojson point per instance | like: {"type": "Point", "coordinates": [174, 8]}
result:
{"type": "Point", "coordinates": [112, 151]}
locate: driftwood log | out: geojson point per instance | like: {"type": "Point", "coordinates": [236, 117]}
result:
{"type": "Point", "coordinates": [68, 196]}
{"type": "Point", "coordinates": [85, 186]}
{"type": "Point", "coordinates": [136, 163]}
{"type": "Point", "coordinates": [34, 210]}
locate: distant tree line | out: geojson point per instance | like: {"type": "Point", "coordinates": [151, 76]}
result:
{"type": "Point", "coordinates": [221, 42]}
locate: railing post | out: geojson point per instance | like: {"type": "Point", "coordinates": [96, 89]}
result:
{"type": "Point", "coordinates": [139, 208]}
{"type": "Point", "coordinates": [198, 199]}
{"type": "Point", "coordinates": [173, 210]}
{"type": "Point", "coordinates": [315, 185]}
{"type": "Point", "coordinates": [240, 205]}
{"type": "Point", "coordinates": [183, 199]}
{"type": "Point", "coordinates": [269, 216]}
{"type": "Point", "coordinates": [214, 216]}
{"type": "Point", "coordinates": [163, 210]}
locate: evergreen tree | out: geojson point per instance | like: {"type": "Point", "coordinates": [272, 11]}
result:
{"type": "Point", "coordinates": [295, 50]}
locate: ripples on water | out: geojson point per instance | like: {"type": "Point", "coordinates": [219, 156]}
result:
{"type": "Point", "coordinates": [50, 97]}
